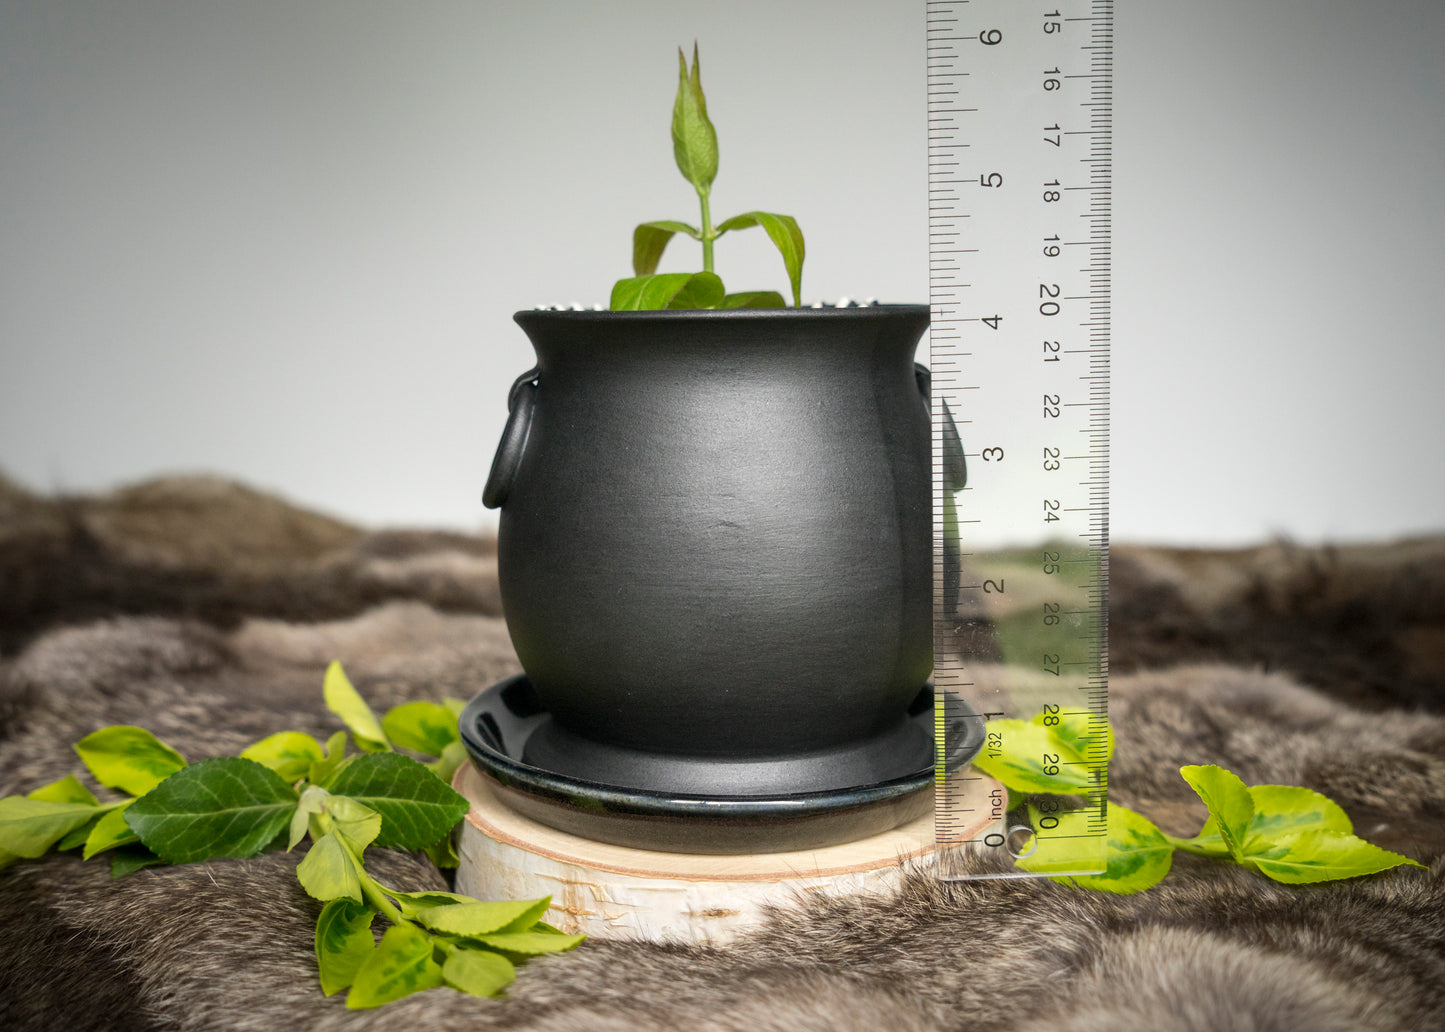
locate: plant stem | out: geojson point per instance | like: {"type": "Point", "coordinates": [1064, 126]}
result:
{"type": "Point", "coordinates": [372, 890]}
{"type": "Point", "coordinates": [1190, 846]}
{"type": "Point", "coordinates": [708, 236]}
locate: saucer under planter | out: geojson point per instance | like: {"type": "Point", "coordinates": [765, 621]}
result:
{"type": "Point", "coordinates": [715, 546]}
{"type": "Point", "coordinates": [738, 815]}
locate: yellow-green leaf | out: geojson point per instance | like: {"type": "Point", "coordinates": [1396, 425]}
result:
{"type": "Point", "coordinates": [531, 943]}
{"type": "Point", "coordinates": [453, 756]}
{"type": "Point", "coordinates": [1279, 810]}
{"type": "Point", "coordinates": [357, 823]}
{"type": "Point", "coordinates": [335, 757]}
{"type": "Point", "coordinates": [754, 299]}
{"type": "Point", "coordinates": [650, 239]}
{"type": "Point", "coordinates": [413, 903]}
{"type": "Point", "coordinates": [1081, 730]}
{"type": "Point", "coordinates": [401, 964]}
{"type": "Point", "coordinates": [694, 140]}
{"type": "Point", "coordinates": [343, 942]}
{"type": "Point", "coordinates": [328, 871]}
{"type": "Point", "coordinates": [424, 727]}
{"type": "Point", "coordinates": [67, 790]}
{"type": "Point", "coordinates": [1316, 856]}
{"type": "Point", "coordinates": [1228, 800]}
{"type": "Point", "coordinates": [783, 231]}
{"type": "Point", "coordinates": [478, 972]}
{"type": "Point", "coordinates": [1063, 842]}
{"type": "Point", "coordinates": [1137, 857]}
{"type": "Point", "coordinates": [415, 807]}
{"type": "Point", "coordinates": [481, 918]}
{"type": "Point", "coordinates": [344, 700]}
{"type": "Point", "coordinates": [109, 832]}
{"type": "Point", "coordinates": [702, 290]}
{"type": "Point", "coordinates": [667, 290]}
{"type": "Point", "coordinates": [29, 827]}
{"type": "Point", "coordinates": [1028, 757]}
{"type": "Point", "coordinates": [128, 758]}
{"type": "Point", "coordinates": [289, 753]}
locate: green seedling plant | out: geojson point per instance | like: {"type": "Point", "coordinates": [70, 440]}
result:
{"type": "Point", "coordinates": [286, 788]}
{"type": "Point", "coordinates": [1290, 834]}
{"type": "Point", "coordinates": [694, 146]}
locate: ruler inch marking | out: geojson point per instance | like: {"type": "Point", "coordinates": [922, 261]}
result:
{"type": "Point", "coordinates": [994, 247]}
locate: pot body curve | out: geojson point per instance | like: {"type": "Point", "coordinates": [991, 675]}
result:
{"type": "Point", "coordinates": [715, 535]}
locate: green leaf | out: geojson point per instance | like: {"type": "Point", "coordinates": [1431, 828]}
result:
{"type": "Point", "coordinates": [453, 756]}
{"type": "Point", "coordinates": [129, 859]}
{"type": "Point", "coordinates": [474, 918]}
{"type": "Point", "coordinates": [1079, 730]}
{"type": "Point", "coordinates": [1138, 855]}
{"type": "Point", "coordinates": [29, 827]}
{"type": "Point", "coordinates": [344, 700]}
{"type": "Point", "coordinates": [289, 753]}
{"type": "Point", "coordinates": [694, 140]}
{"type": "Point", "coordinates": [78, 837]}
{"type": "Point", "coordinates": [1208, 842]}
{"type": "Point", "coordinates": [128, 758]}
{"type": "Point", "coordinates": [444, 853]}
{"type": "Point", "coordinates": [1228, 801]}
{"type": "Point", "coordinates": [754, 299]}
{"type": "Point", "coordinates": [1278, 810]}
{"type": "Point", "coordinates": [357, 823]}
{"type": "Point", "coordinates": [413, 903]}
{"type": "Point", "coordinates": [425, 727]}
{"type": "Point", "coordinates": [335, 757]}
{"type": "Point", "coordinates": [1025, 756]}
{"type": "Point", "coordinates": [416, 808]}
{"type": "Point", "coordinates": [650, 239]}
{"type": "Point", "coordinates": [67, 790]}
{"type": "Point", "coordinates": [478, 972]}
{"type": "Point", "coordinates": [300, 825]}
{"type": "Point", "coordinates": [1287, 810]}
{"type": "Point", "coordinates": [328, 871]}
{"type": "Point", "coordinates": [786, 237]}
{"type": "Point", "coordinates": [214, 808]}
{"type": "Point", "coordinates": [531, 943]}
{"type": "Point", "coordinates": [401, 964]}
{"type": "Point", "coordinates": [1315, 856]}
{"type": "Point", "coordinates": [651, 293]}
{"type": "Point", "coordinates": [343, 942]}
{"type": "Point", "coordinates": [1063, 842]}
{"type": "Point", "coordinates": [702, 290]}
{"type": "Point", "coordinates": [109, 832]}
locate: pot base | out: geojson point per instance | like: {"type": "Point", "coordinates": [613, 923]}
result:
{"type": "Point", "coordinates": [898, 752]}
{"type": "Point", "coordinates": [710, 814]}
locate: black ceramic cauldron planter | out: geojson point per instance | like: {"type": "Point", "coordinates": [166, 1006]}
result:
{"type": "Point", "coordinates": [715, 549]}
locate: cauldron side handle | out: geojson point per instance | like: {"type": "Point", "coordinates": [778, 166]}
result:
{"type": "Point", "coordinates": [955, 466]}
{"type": "Point", "coordinates": [520, 401]}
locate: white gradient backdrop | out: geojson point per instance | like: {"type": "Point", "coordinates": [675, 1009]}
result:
{"type": "Point", "coordinates": [282, 240]}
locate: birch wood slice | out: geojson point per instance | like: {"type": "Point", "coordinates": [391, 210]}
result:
{"type": "Point", "coordinates": [618, 892]}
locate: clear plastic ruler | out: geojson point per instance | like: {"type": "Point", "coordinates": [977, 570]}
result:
{"type": "Point", "coordinates": [1020, 102]}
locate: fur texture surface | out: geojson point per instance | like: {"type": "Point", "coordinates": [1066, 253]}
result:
{"type": "Point", "coordinates": [207, 613]}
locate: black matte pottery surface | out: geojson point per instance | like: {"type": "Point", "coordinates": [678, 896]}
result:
{"type": "Point", "coordinates": [499, 722]}
{"type": "Point", "coordinates": [715, 547]}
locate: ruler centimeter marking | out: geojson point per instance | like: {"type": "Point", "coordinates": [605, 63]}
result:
{"type": "Point", "coordinates": [1020, 151]}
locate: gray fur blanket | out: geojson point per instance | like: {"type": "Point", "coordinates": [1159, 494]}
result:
{"type": "Point", "coordinates": [207, 613]}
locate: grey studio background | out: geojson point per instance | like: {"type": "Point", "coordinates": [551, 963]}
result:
{"type": "Point", "coordinates": [281, 240]}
